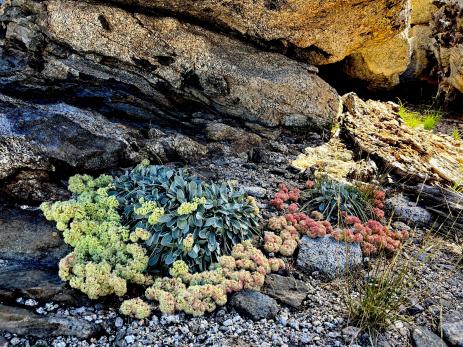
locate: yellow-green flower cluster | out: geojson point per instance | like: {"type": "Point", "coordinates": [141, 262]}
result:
{"type": "Point", "coordinates": [188, 243]}
{"type": "Point", "coordinates": [139, 234]}
{"type": "Point", "coordinates": [135, 308]}
{"type": "Point", "coordinates": [202, 292]}
{"type": "Point", "coordinates": [104, 258]}
{"type": "Point", "coordinates": [252, 201]}
{"type": "Point", "coordinates": [179, 268]}
{"type": "Point", "coordinates": [150, 209]}
{"type": "Point", "coordinates": [190, 207]}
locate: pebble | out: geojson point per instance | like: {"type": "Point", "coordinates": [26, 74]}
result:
{"type": "Point", "coordinates": [129, 339]}
{"type": "Point", "coordinates": [119, 322]}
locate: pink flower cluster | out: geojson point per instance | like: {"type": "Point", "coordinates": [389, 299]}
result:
{"type": "Point", "coordinates": [286, 230]}
{"type": "Point", "coordinates": [285, 196]}
{"type": "Point", "coordinates": [372, 235]}
{"type": "Point", "coordinates": [378, 203]}
{"type": "Point", "coordinates": [290, 227]}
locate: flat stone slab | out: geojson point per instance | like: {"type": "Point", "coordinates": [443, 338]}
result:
{"type": "Point", "coordinates": [423, 337]}
{"type": "Point", "coordinates": [452, 327]}
{"type": "Point", "coordinates": [24, 322]}
{"type": "Point", "coordinates": [254, 304]}
{"type": "Point", "coordinates": [287, 290]}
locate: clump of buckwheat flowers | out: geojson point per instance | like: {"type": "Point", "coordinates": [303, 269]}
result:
{"type": "Point", "coordinates": [135, 308]}
{"type": "Point", "coordinates": [202, 292]}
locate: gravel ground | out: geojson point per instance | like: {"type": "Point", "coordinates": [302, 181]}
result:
{"type": "Point", "coordinates": [321, 321]}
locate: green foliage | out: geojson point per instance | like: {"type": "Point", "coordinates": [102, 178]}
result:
{"type": "Point", "coordinates": [456, 135]}
{"type": "Point", "coordinates": [332, 198]}
{"type": "Point", "coordinates": [377, 301]}
{"type": "Point", "coordinates": [104, 258]}
{"type": "Point", "coordinates": [414, 119]}
{"type": "Point", "coordinates": [188, 219]}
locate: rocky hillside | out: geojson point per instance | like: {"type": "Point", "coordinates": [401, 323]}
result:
{"type": "Point", "coordinates": [247, 94]}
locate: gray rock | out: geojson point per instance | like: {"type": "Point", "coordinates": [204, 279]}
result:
{"type": "Point", "coordinates": [257, 192]}
{"type": "Point", "coordinates": [254, 304]}
{"type": "Point", "coordinates": [33, 248]}
{"type": "Point", "coordinates": [452, 327]}
{"type": "Point", "coordinates": [423, 337]}
{"type": "Point", "coordinates": [27, 237]}
{"type": "Point", "coordinates": [329, 257]}
{"type": "Point", "coordinates": [288, 290]}
{"type": "Point", "coordinates": [23, 322]}
{"type": "Point", "coordinates": [407, 211]}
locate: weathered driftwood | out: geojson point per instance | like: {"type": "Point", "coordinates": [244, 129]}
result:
{"type": "Point", "coordinates": [415, 155]}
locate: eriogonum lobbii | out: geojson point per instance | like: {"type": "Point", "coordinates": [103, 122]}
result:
{"type": "Point", "coordinates": [106, 255]}
{"type": "Point", "coordinates": [202, 292]}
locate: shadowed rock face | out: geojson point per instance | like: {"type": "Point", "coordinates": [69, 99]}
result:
{"type": "Point", "coordinates": [84, 85]}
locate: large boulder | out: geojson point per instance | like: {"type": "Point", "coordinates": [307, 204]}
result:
{"type": "Point", "coordinates": [179, 63]}
{"type": "Point", "coordinates": [324, 31]}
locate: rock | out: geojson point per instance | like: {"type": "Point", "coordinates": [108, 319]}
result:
{"type": "Point", "coordinates": [423, 337]}
{"type": "Point", "coordinates": [402, 209]}
{"type": "Point", "coordinates": [381, 64]}
{"type": "Point", "coordinates": [350, 333]}
{"type": "Point", "coordinates": [328, 256]}
{"type": "Point", "coordinates": [456, 67]}
{"type": "Point", "coordinates": [287, 290]}
{"type": "Point", "coordinates": [193, 66]}
{"type": "Point", "coordinates": [241, 140]}
{"type": "Point", "coordinates": [323, 32]}
{"type": "Point", "coordinates": [418, 155]}
{"type": "Point", "coordinates": [26, 236]}
{"type": "Point", "coordinates": [447, 46]}
{"type": "Point", "coordinates": [452, 327]}
{"type": "Point", "coordinates": [36, 137]}
{"type": "Point", "coordinates": [23, 322]}
{"type": "Point", "coordinates": [254, 304]}
{"type": "Point", "coordinates": [421, 46]}
{"type": "Point", "coordinates": [257, 192]}
{"type": "Point", "coordinates": [32, 248]}
{"type": "Point", "coordinates": [422, 11]}
{"type": "Point", "coordinates": [40, 284]}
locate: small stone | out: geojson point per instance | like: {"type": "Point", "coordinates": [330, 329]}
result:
{"type": "Point", "coordinates": [129, 339]}
{"type": "Point", "coordinates": [283, 320]}
{"type": "Point", "coordinates": [257, 192]}
{"type": "Point", "coordinates": [452, 327]}
{"type": "Point", "coordinates": [30, 302]}
{"type": "Point", "coordinates": [119, 322]}
{"type": "Point", "coordinates": [423, 337]}
{"type": "Point", "coordinates": [306, 338]}
{"type": "Point", "coordinates": [228, 322]}
{"type": "Point", "coordinates": [350, 333]}
{"type": "Point", "coordinates": [15, 341]}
